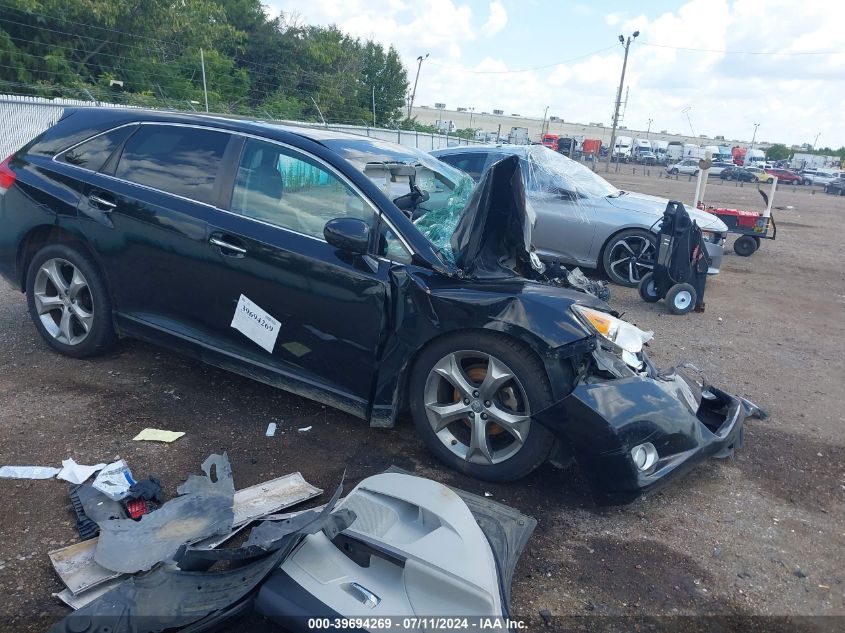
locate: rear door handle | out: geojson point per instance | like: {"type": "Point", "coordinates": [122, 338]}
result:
{"type": "Point", "coordinates": [224, 246]}
{"type": "Point", "coordinates": [99, 201]}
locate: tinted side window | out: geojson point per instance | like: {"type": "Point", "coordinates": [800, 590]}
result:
{"type": "Point", "coordinates": [284, 187]}
{"type": "Point", "coordinates": [93, 153]}
{"type": "Point", "coordinates": [180, 160]}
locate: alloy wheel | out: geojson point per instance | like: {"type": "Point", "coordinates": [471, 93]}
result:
{"type": "Point", "coordinates": [632, 257]}
{"type": "Point", "coordinates": [63, 301]}
{"type": "Point", "coordinates": [477, 407]}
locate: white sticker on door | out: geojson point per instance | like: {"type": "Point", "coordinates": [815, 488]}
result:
{"type": "Point", "coordinates": [256, 324]}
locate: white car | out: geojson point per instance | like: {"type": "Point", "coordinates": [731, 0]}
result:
{"type": "Point", "coordinates": [818, 176]}
{"type": "Point", "coordinates": [718, 167]}
{"type": "Point", "coordinates": [686, 166]}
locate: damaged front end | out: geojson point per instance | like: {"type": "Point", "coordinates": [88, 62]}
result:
{"type": "Point", "coordinates": [631, 427]}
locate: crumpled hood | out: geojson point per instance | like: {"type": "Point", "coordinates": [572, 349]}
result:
{"type": "Point", "coordinates": [655, 206]}
{"type": "Point", "coordinates": [493, 236]}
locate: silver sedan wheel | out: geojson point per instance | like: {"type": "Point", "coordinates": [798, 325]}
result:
{"type": "Point", "coordinates": [63, 301]}
{"type": "Point", "coordinates": [632, 257]}
{"type": "Point", "coordinates": [477, 407]}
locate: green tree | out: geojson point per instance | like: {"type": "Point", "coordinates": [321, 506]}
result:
{"type": "Point", "coordinates": [778, 151]}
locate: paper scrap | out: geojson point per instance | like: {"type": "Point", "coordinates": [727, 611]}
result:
{"type": "Point", "coordinates": [305, 429]}
{"type": "Point", "coordinates": [28, 472]}
{"type": "Point", "coordinates": [158, 435]}
{"type": "Point", "coordinates": [271, 429]}
{"type": "Point", "coordinates": [77, 473]}
{"type": "Point", "coordinates": [256, 324]}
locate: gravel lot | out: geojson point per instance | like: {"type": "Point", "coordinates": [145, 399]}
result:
{"type": "Point", "coordinates": [762, 535]}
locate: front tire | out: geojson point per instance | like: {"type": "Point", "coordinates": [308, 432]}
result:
{"type": "Point", "coordinates": [472, 397]}
{"type": "Point", "coordinates": [68, 301]}
{"type": "Point", "coordinates": [629, 255]}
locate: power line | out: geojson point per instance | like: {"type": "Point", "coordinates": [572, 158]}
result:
{"type": "Point", "coordinates": [524, 70]}
{"type": "Point", "coordinates": [725, 52]}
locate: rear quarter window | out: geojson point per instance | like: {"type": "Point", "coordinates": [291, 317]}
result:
{"type": "Point", "coordinates": [93, 153]}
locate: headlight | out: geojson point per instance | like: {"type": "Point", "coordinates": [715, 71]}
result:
{"type": "Point", "coordinates": [626, 339]}
{"type": "Point", "coordinates": [712, 236]}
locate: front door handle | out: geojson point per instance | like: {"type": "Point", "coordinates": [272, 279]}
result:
{"type": "Point", "coordinates": [227, 246]}
{"type": "Point", "coordinates": [101, 202]}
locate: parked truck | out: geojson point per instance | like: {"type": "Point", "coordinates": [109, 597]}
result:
{"type": "Point", "coordinates": [660, 151]}
{"type": "Point", "coordinates": [518, 136]}
{"type": "Point", "coordinates": [622, 148]}
{"type": "Point", "coordinates": [674, 151]}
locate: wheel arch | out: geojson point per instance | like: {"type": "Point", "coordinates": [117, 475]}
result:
{"type": "Point", "coordinates": [43, 235]}
{"type": "Point", "coordinates": [552, 363]}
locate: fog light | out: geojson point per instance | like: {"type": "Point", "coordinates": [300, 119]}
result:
{"type": "Point", "coordinates": [644, 456]}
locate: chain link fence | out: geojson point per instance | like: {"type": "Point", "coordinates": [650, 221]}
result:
{"type": "Point", "coordinates": [22, 118]}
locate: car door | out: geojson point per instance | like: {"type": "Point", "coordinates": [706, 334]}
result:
{"type": "Point", "coordinates": [566, 221]}
{"type": "Point", "coordinates": [146, 213]}
{"type": "Point", "coordinates": [271, 265]}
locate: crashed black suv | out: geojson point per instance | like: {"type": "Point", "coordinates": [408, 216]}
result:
{"type": "Point", "coordinates": [355, 272]}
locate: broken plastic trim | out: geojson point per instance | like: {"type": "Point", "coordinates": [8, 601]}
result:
{"type": "Point", "coordinates": [169, 597]}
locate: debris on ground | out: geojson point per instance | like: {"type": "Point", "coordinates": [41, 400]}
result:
{"type": "Point", "coordinates": [77, 473]}
{"type": "Point", "coordinates": [158, 435]}
{"type": "Point", "coordinates": [161, 574]}
{"type": "Point", "coordinates": [305, 429]}
{"type": "Point", "coordinates": [28, 472]}
{"type": "Point", "coordinates": [115, 480]}
{"type": "Point", "coordinates": [271, 429]}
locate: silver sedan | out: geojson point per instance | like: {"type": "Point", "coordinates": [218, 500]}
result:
{"type": "Point", "coordinates": [584, 220]}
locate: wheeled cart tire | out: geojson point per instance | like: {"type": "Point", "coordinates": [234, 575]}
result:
{"type": "Point", "coordinates": [648, 289]}
{"type": "Point", "coordinates": [681, 298]}
{"type": "Point", "coordinates": [745, 245]}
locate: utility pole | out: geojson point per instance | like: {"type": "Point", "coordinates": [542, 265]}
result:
{"type": "Point", "coordinates": [471, 112]}
{"type": "Point", "coordinates": [204, 87]}
{"type": "Point", "coordinates": [543, 127]}
{"type": "Point", "coordinates": [420, 60]}
{"type": "Point", "coordinates": [753, 138]}
{"type": "Point", "coordinates": [374, 106]}
{"type": "Point", "coordinates": [648, 131]}
{"type": "Point", "coordinates": [627, 44]}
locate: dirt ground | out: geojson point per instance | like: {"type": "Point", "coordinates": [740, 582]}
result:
{"type": "Point", "coordinates": [762, 535]}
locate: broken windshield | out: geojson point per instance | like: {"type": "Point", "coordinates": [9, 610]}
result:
{"type": "Point", "coordinates": [443, 190]}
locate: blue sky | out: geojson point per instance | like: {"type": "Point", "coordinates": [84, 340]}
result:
{"type": "Point", "coordinates": [784, 67]}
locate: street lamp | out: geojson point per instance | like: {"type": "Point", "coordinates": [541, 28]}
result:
{"type": "Point", "coordinates": [420, 60]}
{"type": "Point", "coordinates": [471, 112]}
{"type": "Point", "coordinates": [627, 45]}
{"type": "Point", "coordinates": [753, 138]}
{"type": "Point", "coordinates": [648, 131]}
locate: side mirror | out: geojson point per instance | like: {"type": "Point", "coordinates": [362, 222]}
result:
{"type": "Point", "coordinates": [348, 234]}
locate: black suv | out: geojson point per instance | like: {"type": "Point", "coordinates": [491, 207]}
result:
{"type": "Point", "coordinates": [290, 255]}
{"type": "Point", "coordinates": [836, 186]}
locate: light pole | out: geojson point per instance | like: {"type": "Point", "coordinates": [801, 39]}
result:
{"type": "Point", "coordinates": [471, 112]}
{"type": "Point", "coordinates": [753, 138]}
{"type": "Point", "coordinates": [627, 45]}
{"type": "Point", "coordinates": [648, 131]}
{"type": "Point", "coordinates": [689, 120]}
{"type": "Point", "coordinates": [420, 60]}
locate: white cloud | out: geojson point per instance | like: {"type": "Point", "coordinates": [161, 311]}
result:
{"type": "Point", "coordinates": [792, 96]}
{"type": "Point", "coordinates": [612, 19]}
{"type": "Point", "coordinates": [497, 20]}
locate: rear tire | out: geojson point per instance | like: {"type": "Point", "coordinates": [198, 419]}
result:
{"type": "Point", "coordinates": [68, 301]}
{"type": "Point", "coordinates": [681, 298]}
{"type": "Point", "coordinates": [451, 373]}
{"type": "Point", "coordinates": [648, 289]}
{"type": "Point", "coordinates": [744, 246]}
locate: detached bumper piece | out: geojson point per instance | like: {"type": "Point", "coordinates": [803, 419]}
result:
{"type": "Point", "coordinates": [630, 434]}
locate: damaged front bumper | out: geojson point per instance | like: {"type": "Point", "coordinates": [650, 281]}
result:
{"type": "Point", "coordinates": [634, 430]}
